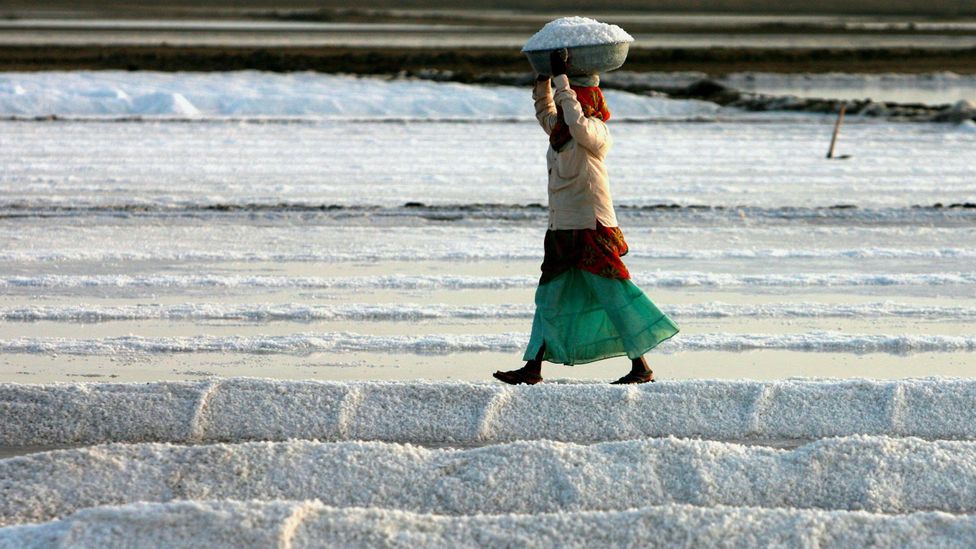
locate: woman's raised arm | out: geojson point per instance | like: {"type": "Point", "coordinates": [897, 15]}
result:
{"type": "Point", "coordinates": [590, 133]}
{"type": "Point", "coordinates": [545, 109]}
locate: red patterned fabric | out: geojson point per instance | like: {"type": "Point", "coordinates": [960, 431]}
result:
{"type": "Point", "coordinates": [593, 103]}
{"type": "Point", "coordinates": [593, 250]}
{"type": "Point", "coordinates": [594, 106]}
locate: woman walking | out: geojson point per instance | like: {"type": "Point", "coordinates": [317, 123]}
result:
{"type": "Point", "coordinates": [587, 308]}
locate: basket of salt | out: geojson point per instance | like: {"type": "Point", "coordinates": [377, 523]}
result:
{"type": "Point", "coordinates": [594, 47]}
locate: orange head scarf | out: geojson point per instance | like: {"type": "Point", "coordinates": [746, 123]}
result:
{"type": "Point", "coordinates": [594, 106]}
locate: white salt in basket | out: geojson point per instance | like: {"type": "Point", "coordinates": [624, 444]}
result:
{"type": "Point", "coordinates": [594, 47]}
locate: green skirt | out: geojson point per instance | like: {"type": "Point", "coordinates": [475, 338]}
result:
{"type": "Point", "coordinates": [583, 317]}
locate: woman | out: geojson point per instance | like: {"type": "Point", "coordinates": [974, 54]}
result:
{"type": "Point", "coordinates": [587, 308]}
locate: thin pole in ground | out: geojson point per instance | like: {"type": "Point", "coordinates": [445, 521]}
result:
{"type": "Point", "coordinates": [833, 140]}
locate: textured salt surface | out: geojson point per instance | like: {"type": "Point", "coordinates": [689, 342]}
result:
{"type": "Point", "coordinates": [263, 312]}
{"type": "Point", "coordinates": [239, 409]}
{"type": "Point", "coordinates": [471, 232]}
{"type": "Point", "coordinates": [344, 342]}
{"type": "Point", "coordinates": [568, 32]}
{"type": "Point", "coordinates": [297, 524]}
{"type": "Point", "coordinates": [171, 166]}
{"type": "Point", "coordinates": [876, 474]}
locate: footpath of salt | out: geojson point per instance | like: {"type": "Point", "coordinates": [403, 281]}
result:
{"type": "Point", "coordinates": [241, 409]}
{"type": "Point", "coordinates": [298, 524]}
{"type": "Point", "coordinates": [876, 474]}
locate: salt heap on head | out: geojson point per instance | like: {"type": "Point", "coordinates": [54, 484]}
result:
{"type": "Point", "coordinates": [570, 32]}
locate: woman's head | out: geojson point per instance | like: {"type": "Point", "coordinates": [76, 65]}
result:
{"type": "Point", "coordinates": [592, 101]}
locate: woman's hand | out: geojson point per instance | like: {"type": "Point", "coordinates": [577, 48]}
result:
{"type": "Point", "coordinates": [557, 61]}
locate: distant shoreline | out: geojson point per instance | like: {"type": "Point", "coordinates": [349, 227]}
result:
{"type": "Point", "coordinates": [473, 61]}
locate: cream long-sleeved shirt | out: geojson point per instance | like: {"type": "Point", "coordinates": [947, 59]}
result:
{"type": "Point", "coordinates": [579, 187]}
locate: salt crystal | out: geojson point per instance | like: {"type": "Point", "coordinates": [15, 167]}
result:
{"type": "Point", "coordinates": [569, 32]}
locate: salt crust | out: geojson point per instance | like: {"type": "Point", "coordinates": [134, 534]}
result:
{"type": "Point", "coordinates": [875, 474]}
{"type": "Point", "coordinates": [243, 409]}
{"type": "Point", "coordinates": [231, 524]}
{"type": "Point", "coordinates": [668, 279]}
{"type": "Point", "coordinates": [263, 312]}
{"type": "Point", "coordinates": [570, 32]}
{"type": "Point", "coordinates": [432, 344]}
{"type": "Point", "coordinates": [462, 250]}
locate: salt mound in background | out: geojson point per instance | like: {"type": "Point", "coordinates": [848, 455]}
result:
{"type": "Point", "coordinates": [569, 32]}
{"type": "Point", "coordinates": [262, 94]}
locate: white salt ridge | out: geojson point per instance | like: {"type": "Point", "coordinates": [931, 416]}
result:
{"type": "Point", "coordinates": [241, 409]}
{"type": "Point", "coordinates": [874, 474]}
{"type": "Point", "coordinates": [462, 282]}
{"type": "Point", "coordinates": [465, 250]}
{"type": "Point", "coordinates": [260, 281]}
{"type": "Point", "coordinates": [243, 94]}
{"type": "Point", "coordinates": [503, 233]}
{"type": "Point", "coordinates": [568, 32]}
{"type": "Point", "coordinates": [293, 344]}
{"type": "Point", "coordinates": [300, 524]}
{"type": "Point", "coordinates": [268, 312]}
{"type": "Point", "coordinates": [346, 342]}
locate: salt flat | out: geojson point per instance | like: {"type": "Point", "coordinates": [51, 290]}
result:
{"type": "Point", "coordinates": [133, 243]}
{"type": "Point", "coordinates": [336, 232]}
